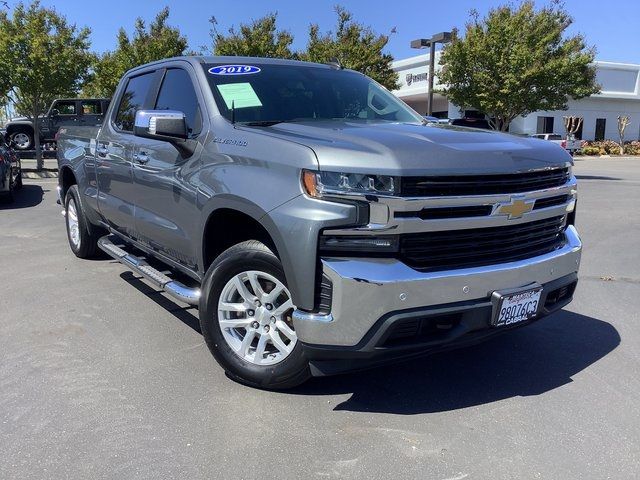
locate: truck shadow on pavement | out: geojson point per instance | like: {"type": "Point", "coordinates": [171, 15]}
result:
{"type": "Point", "coordinates": [184, 314]}
{"type": "Point", "coordinates": [27, 196]}
{"type": "Point", "coordinates": [525, 362]}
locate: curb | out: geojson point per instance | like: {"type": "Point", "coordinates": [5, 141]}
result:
{"type": "Point", "coordinates": [40, 174]}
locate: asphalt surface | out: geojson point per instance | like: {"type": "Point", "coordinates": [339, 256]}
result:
{"type": "Point", "coordinates": [103, 377]}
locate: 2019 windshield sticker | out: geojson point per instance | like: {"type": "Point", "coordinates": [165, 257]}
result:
{"type": "Point", "coordinates": [234, 70]}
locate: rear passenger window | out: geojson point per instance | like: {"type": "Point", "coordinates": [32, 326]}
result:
{"type": "Point", "coordinates": [177, 93]}
{"type": "Point", "coordinates": [133, 100]}
{"type": "Point", "coordinates": [90, 107]}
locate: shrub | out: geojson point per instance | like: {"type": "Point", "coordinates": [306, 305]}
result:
{"type": "Point", "coordinates": [632, 148]}
{"type": "Point", "coordinates": [591, 150]}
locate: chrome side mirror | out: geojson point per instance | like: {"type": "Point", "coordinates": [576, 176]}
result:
{"type": "Point", "coordinates": [167, 125]}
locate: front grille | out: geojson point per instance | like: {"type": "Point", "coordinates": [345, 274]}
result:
{"type": "Point", "coordinates": [551, 201]}
{"type": "Point", "coordinates": [482, 184]}
{"type": "Point", "coordinates": [436, 213]}
{"type": "Point", "coordinates": [481, 246]}
{"type": "Point", "coordinates": [415, 330]}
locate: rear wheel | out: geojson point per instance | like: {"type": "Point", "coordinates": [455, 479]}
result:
{"type": "Point", "coordinates": [245, 317]}
{"type": "Point", "coordinates": [83, 243]}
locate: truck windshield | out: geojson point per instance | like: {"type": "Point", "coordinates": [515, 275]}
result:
{"type": "Point", "coordinates": [282, 93]}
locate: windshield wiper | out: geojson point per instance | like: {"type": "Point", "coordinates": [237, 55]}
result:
{"type": "Point", "coordinates": [262, 123]}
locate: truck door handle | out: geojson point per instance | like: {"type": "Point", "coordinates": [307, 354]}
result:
{"type": "Point", "coordinates": [140, 158]}
{"type": "Point", "coordinates": [102, 151]}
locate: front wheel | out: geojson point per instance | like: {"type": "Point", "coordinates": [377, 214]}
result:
{"type": "Point", "coordinates": [23, 140]}
{"type": "Point", "coordinates": [245, 317]}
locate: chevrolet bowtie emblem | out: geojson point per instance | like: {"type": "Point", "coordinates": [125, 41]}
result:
{"type": "Point", "coordinates": [515, 208]}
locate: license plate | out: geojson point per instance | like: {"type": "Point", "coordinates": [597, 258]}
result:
{"type": "Point", "coordinates": [516, 307]}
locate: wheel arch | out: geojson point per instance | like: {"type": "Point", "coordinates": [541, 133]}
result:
{"type": "Point", "coordinates": [19, 127]}
{"type": "Point", "coordinates": [249, 221]}
{"type": "Point", "coordinates": [67, 178]}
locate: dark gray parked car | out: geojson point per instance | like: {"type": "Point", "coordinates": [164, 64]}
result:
{"type": "Point", "coordinates": [318, 223]}
{"type": "Point", "coordinates": [62, 112]}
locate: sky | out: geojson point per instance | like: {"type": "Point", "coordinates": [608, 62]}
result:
{"type": "Point", "coordinates": [613, 27]}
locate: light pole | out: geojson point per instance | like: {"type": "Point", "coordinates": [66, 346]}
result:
{"type": "Point", "coordinates": [442, 37]}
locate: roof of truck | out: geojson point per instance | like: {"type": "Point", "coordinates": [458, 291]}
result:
{"type": "Point", "coordinates": [199, 59]}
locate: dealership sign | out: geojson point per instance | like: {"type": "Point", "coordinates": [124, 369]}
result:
{"type": "Point", "coordinates": [416, 77]}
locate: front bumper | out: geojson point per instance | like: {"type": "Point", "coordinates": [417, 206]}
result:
{"type": "Point", "coordinates": [366, 290]}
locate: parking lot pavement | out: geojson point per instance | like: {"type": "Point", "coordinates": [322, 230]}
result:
{"type": "Point", "coordinates": [103, 377]}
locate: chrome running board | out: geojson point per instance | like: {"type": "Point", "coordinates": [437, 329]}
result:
{"type": "Point", "coordinates": [174, 288]}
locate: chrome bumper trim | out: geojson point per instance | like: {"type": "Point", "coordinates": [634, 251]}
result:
{"type": "Point", "coordinates": [366, 289]}
{"type": "Point", "coordinates": [302, 316]}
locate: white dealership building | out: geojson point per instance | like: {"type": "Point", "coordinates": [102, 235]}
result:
{"type": "Point", "coordinates": [619, 95]}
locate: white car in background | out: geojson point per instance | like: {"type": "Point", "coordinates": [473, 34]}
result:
{"type": "Point", "coordinates": [571, 144]}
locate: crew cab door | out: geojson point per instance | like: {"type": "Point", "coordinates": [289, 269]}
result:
{"type": "Point", "coordinates": [115, 148]}
{"type": "Point", "coordinates": [166, 209]}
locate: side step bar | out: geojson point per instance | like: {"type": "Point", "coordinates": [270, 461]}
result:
{"type": "Point", "coordinates": [176, 289]}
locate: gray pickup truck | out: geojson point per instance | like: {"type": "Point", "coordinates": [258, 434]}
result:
{"type": "Point", "coordinates": [319, 224]}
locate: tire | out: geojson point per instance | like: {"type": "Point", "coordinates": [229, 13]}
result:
{"type": "Point", "coordinates": [24, 140]}
{"type": "Point", "coordinates": [280, 366]}
{"type": "Point", "coordinates": [82, 241]}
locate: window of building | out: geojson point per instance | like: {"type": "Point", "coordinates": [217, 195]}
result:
{"type": "Point", "coordinates": [91, 107]}
{"type": "Point", "coordinates": [133, 100]}
{"type": "Point", "coordinates": [545, 125]}
{"type": "Point", "coordinates": [177, 93]}
{"type": "Point", "coordinates": [66, 108]}
{"type": "Point", "coordinates": [601, 127]}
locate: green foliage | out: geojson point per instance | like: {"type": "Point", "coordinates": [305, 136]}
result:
{"type": "Point", "coordinates": [147, 45]}
{"type": "Point", "coordinates": [261, 38]}
{"type": "Point", "coordinates": [354, 46]}
{"type": "Point", "coordinates": [42, 56]}
{"type": "Point", "coordinates": [516, 61]}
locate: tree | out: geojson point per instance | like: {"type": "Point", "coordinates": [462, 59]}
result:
{"type": "Point", "coordinates": [41, 56]}
{"type": "Point", "coordinates": [147, 45]}
{"type": "Point", "coordinates": [260, 38]}
{"type": "Point", "coordinates": [623, 123]}
{"type": "Point", "coordinates": [354, 46]}
{"type": "Point", "coordinates": [516, 61]}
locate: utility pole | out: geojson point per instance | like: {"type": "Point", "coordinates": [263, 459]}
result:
{"type": "Point", "coordinates": [442, 37]}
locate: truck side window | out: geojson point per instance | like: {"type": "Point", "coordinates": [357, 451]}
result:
{"type": "Point", "coordinates": [177, 93]}
{"type": "Point", "coordinates": [65, 108]}
{"type": "Point", "coordinates": [91, 107]}
{"type": "Point", "coordinates": [133, 100]}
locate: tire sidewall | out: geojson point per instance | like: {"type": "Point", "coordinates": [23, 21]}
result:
{"type": "Point", "coordinates": [72, 194]}
{"type": "Point", "coordinates": [292, 370]}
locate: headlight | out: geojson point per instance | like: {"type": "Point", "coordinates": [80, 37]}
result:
{"type": "Point", "coordinates": [320, 184]}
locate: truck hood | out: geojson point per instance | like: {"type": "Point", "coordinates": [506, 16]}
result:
{"type": "Point", "coordinates": [414, 149]}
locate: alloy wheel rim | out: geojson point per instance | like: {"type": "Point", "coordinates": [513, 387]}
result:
{"type": "Point", "coordinates": [254, 313]}
{"type": "Point", "coordinates": [72, 222]}
{"type": "Point", "coordinates": [21, 140]}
